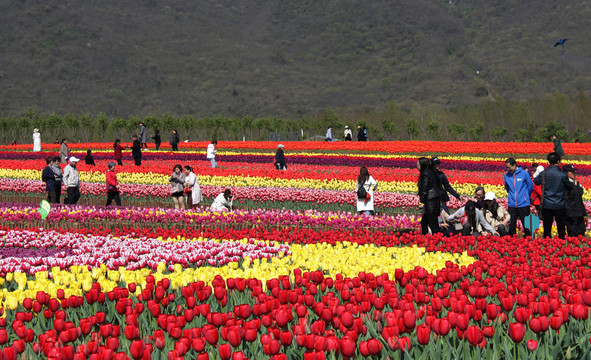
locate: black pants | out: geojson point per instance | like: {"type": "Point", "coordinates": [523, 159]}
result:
{"type": "Point", "coordinates": [502, 230]}
{"type": "Point", "coordinates": [51, 197]}
{"type": "Point", "coordinates": [113, 195]}
{"type": "Point", "coordinates": [520, 213]}
{"type": "Point", "coordinates": [138, 160]}
{"type": "Point", "coordinates": [157, 146]}
{"type": "Point", "coordinates": [549, 216]}
{"type": "Point", "coordinates": [144, 145]}
{"type": "Point", "coordinates": [575, 226]}
{"type": "Point", "coordinates": [430, 215]}
{"type": "Point", "coordinates": [58, 192]}
{"type": "Point", "coordinates": [119, 162]}
{"type": "Point", "coordinates": [73, 195]}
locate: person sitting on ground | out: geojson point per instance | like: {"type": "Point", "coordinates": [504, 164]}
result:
{"type": "Point", "coordinates": [496, 215]}
{"type": "Point", "coordinates": [479, 197]}
{"type": "Point", "coordinates": [475, 224]}
{"type": "Point", "coordinates": [223, 202]}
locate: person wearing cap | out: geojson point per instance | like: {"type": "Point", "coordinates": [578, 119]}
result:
{"type": "Point", "coordinates": [555, 183]}
{"type": "Point", "coordinates": [112, 183]}
{"type": "Point", "coordinates": [496, 215]}
{"type": "Point", "coordinates": [136, 150]}
{"type": "Point", "coordinates": [36, 140]}
{"type": "Point", "coordinates": [445, 186]}
{"type": "Point", "coordinates": [64, 152]}
{"type": "Point", "coordinates": [360, 136]}
{"type": "Point", "coordinates": [329, 134]}
{"type": "Point", "coordinates": [280, 158]}
{"type": "Point", "coordinates": [519, 187]}
{"type": "Point", "coordinates": [348, 134]}
{"type": "Point", "coordinates": [475, 223]}
{"type": "Point", "coordinates": [575, 209]}
{"type": "Point", "coordinates": [72, 181]}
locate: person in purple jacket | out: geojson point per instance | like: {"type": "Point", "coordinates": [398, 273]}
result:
{"type": "Point", "coordinates": [519, 187]}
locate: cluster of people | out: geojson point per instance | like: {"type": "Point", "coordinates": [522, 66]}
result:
{"type": "Point", "coordinates": [554, 192]}
{"type": "Point", "coordinates": [362, 134]}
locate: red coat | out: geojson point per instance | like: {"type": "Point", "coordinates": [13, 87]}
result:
{"type": "Point", "coordinates": [112, 181]}
{"type": "Point", "coordinates": [118, 154]}
{"type": "Point", "coordinates": [536, 195]}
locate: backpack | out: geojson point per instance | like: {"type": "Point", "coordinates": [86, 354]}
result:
{"type": "Point", "coordinates": [361, 193]}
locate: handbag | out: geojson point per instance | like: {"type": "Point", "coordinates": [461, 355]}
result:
{"type": "Point", "coordinates": [187, 190]}
{"type": "Point", "coordinates": [111, 188]}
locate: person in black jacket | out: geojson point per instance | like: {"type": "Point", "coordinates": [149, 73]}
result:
{"type": "Point", "coordinates": [554, 195]}
{"type": "Point", "coordinates": [136, 151]}
{"type": "Point", "coordinates": [280, 158]}
{"type": "Point", "coordinates": [48, 176]}
{"type": "Point", "coordinates": [575, 209]}
{"type": "Point", "coordinates": [89, 159]}
{"type": "Point", "coordinates": [360, 135]}
{"type": "Point", "coordinates": [157, 138]}
{"type": "Point", "coordinates": [175, 139]}
{"type": "Point", "coordinates": [429, 186]}
{"type": "Point", "coordinates": [445, 186]}
{"type": "Point", "coordinates": [557, 146]}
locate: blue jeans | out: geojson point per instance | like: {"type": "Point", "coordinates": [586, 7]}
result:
{"type": "Point", "coordinates": [213, 163]}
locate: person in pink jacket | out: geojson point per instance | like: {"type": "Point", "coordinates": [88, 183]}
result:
{"type": "Point", "coordinates": [112, 183]}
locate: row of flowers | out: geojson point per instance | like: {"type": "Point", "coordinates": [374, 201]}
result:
{"type": "Point", "coordinates": [416, 147]}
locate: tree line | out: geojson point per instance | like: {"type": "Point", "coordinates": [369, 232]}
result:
{"type": "Point", "coordinates": [493, 120]}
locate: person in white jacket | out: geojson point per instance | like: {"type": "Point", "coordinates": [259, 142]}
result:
{"type": "Point", "coordinates": [223, 202]}
{"type": "Point", "coordinates": [36, 140]}
{"type": "Point", "coordinates": [211, 153]}
{"type": "Point", "coordinates": [72, 181]}
{"type": "Point", "coordinates": [194, 195]}
{"type": "Point", "coordinates": [366, 205]}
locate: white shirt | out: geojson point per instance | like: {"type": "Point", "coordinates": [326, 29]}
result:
{"type": "Point", "coordinates": [193, 183]}
{"type": "Point", "coordinates": [36, 141]}
{"type": "Point", "coordinates": [369, 185]}
{"type": "Point", "coordinates": [221, 204]}
{"type": "Point", "coordinates": [211, 151]}
{"type": "Point", "coordinates": [329, 134]}
{"type": "Point", "coordinates": [71, 176]}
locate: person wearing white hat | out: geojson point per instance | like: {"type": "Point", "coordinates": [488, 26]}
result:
{"type": "Point", "coordinates": [280, 158]}
{"type": "Point", "coordinates": [496, 215]}
{"type": "Point", "coordinates": [72, 181]}
{"type": "Point", "coordinates": [348, 134]}
{"type": "Point", "coordinates": [36, 140]}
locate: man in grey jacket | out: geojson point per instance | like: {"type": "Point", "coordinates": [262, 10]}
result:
{"type": "Point", "coordinates": [72, 181]}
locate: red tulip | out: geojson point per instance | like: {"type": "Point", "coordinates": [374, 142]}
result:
{"type": "Point", "coordinates": [348, 347]}
{"type": "Point", "coordinates": [136, 349]}
{"type": "Point", "coordinates": [532, 345]}
{"type": "Point", "coordinates": [225, 351]}
{"type": "Point", "coordinates": [474, 335]}
{"type": "Point", "coordinates": [516, 332]}
{"type": "Point", "coordinates": [423, 334]}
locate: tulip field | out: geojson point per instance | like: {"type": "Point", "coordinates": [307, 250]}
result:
{"type": "Point", "coordinates": [293, 272]}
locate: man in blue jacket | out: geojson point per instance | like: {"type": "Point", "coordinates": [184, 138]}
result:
{"type": "Point", "coordinates": [519, 187]}
{"type": "Point", "coordinates": [554, 195]}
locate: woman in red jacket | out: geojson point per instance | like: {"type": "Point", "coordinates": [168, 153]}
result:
{"type": "Point", "coordinates": [118, 148]}
{"type": "Point", "coordinates": [536, 195]}
{"type": "Point", "coordinates": [112, 183]}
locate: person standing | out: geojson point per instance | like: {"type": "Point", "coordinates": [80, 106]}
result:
{"type": "Point", "coordinates": [48, 176]}
{"type": "Point", "coordinates": [445, 186]}
{"type": "Point", "coordinates": [558, 146]}
{"type": "Point", "coordinates": [428, 186]}
{"type": "Point", "coordinates": [329, 134]}
{"type": "Point", "coordinates": [118, 148]}
{"type": "Point", "coordinates": [112, 183]}
{"type": "Point", "coordinates": [36, 140]}
{"type": "Point", "coordinates": [144, 137]}
{"type": "Point", "coordinates": [194, 195]}
{"type": "Point", "coordinates": [554, 183]}
{"type": "Point", "coordinates": [136, 151]}
{"type": "Point", "coordinates": [210, 154]}
{"type": "Point", "coordinates": [365, 205]}
{"type": "Point", "coordinates": [72, 181]}
{"type": "Point", "coordinates": [348, 134]}
{"type": "Point", "coordinates": [575, 209]}
{"type": "Point", "coordinates": [175, 139]}
{"type": "Point", "coordinates": [177, 186]}
{"type": "Point", "coordinates": [157, 139]}
{"type": "Point", "coordinates": [89, 159]}
{"type": "Point", "coordinates": [223, 202]}
{"type": "Point", "coordinates": [64, 152]}
{"type": "Point", "coordinates": [280, 158]}
{"type": "Point", "coordinates": [59, 176]}
{"type": "Point", "coordinates": [519, 187]}
{"type": "Point", "coordinates": [536, 195]}
{"type": "Point", "coordinates": [365, 134]}
{"type": "Point", "coordinates": [360, 136]}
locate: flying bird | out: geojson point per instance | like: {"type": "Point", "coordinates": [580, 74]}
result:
{"type": "Point", "coordinates": [561, 43]}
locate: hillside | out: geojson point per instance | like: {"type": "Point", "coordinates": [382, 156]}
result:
{"type": "Point", "coordinates": [285, 58]}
